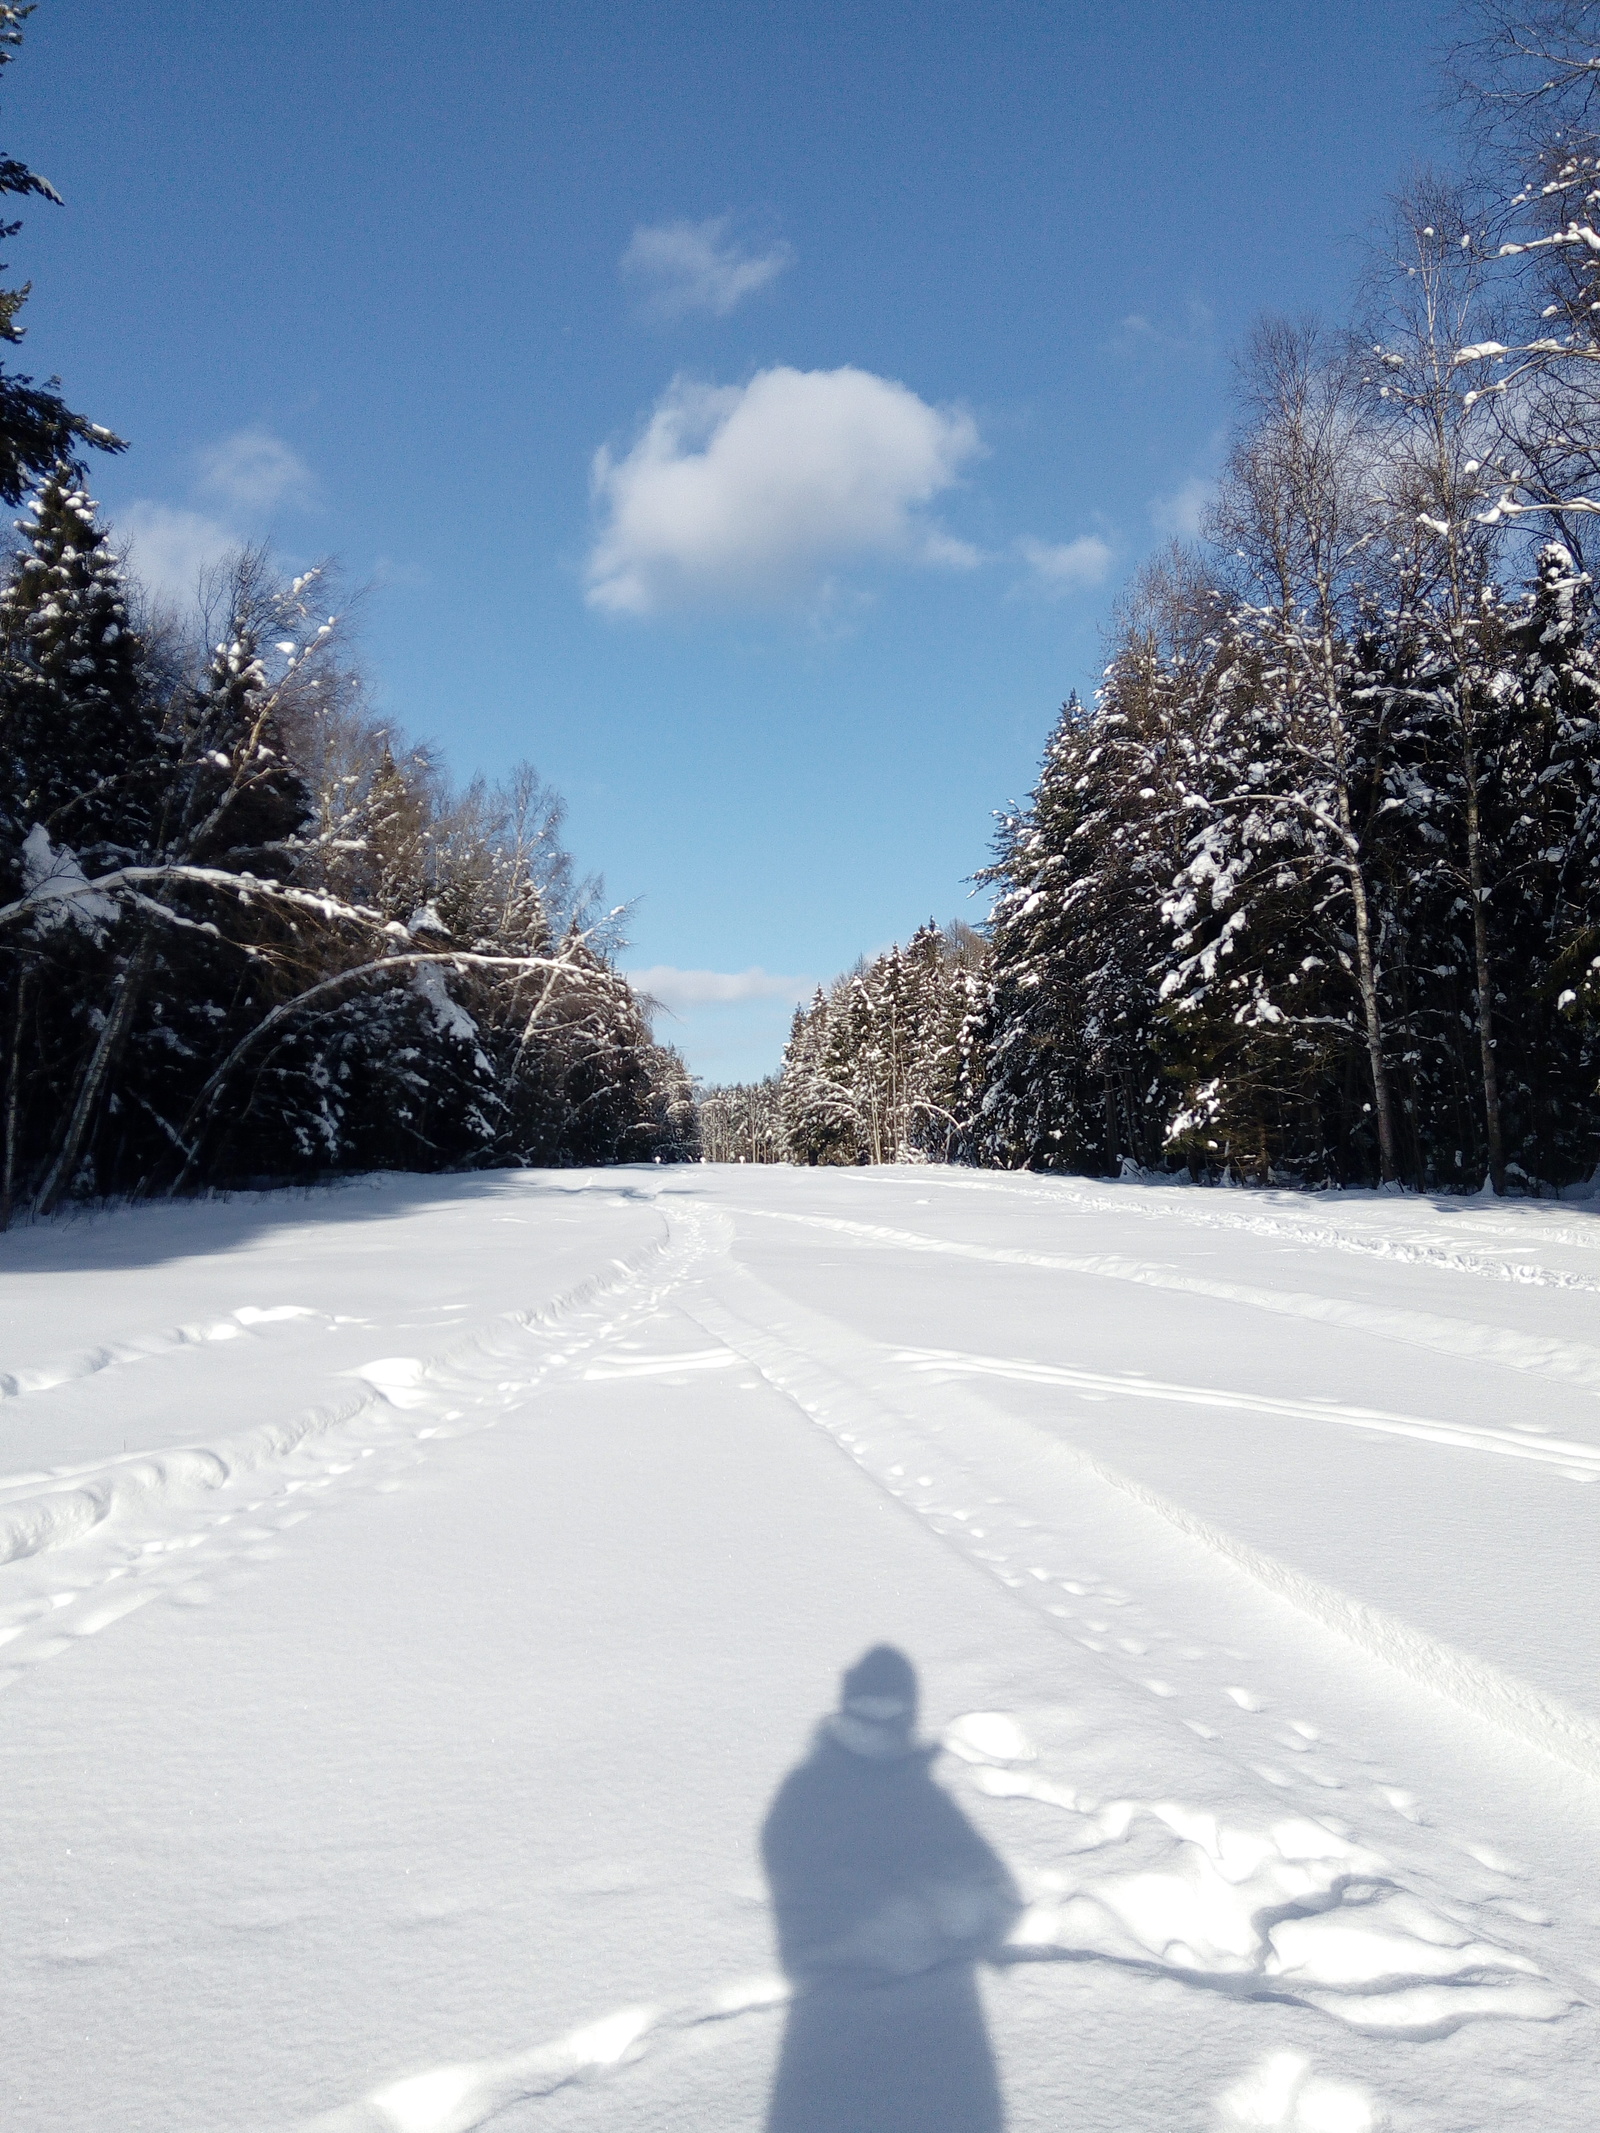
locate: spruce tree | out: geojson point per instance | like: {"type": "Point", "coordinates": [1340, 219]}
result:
{"type": "Point", "coordinates": [37, 428]}
{"type": "Point", "coordinates": [78, 733]}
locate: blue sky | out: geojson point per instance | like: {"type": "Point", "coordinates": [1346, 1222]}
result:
{"type": "Point", "coordinates": [749, 413]}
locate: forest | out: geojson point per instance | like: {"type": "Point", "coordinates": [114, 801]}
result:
{"type": "Point", "coordinates": [1310, 892]}
{"type": "Point", "coordinates": [249, 933]}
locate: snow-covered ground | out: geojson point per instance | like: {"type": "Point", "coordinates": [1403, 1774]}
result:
{"type": "Point", "coordinates": [414, 1596]}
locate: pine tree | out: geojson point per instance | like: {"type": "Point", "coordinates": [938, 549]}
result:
{"type": "Point", "coordinates": [37, 428]}
{"type": "Point", "coordinates": [1551, 835]}
{"type": "Point", "coordinates": [1073, 1037]}
{"type": "Point", "coordinates": [78, 731]}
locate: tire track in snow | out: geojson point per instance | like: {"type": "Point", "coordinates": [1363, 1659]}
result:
{"type": "Point", "coordinates": [1563, 1362]}
{"type": "Point", "coordinates": [1324, 1236]}
{"type": "Point", "coordinates": [1578, 1461]}
{"type": "Point", "coordinates": [1288, 1883]}
{"type": "Point", "coordinates": [846, 1407]}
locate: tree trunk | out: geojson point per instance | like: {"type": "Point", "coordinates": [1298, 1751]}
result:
{"type": "Point", "coordinates": [1480, 951]}
{"type": "Point", "coordinates": [95, 1076]}
{"type": "Point", "coordinates": [1367, 980]}
{"type": "Point", "coordinates": [8, 1183]}
{"type": "Point", "coordinates": [1366, 961]}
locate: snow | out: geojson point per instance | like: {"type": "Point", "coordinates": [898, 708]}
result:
{"type": "Point", "coordinates": [418, 1598]}
{"type": "Point", "coordinates": [56, 885]}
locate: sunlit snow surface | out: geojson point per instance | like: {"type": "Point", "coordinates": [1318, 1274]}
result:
{"type": "Point", "coordinates": [412, 1597]}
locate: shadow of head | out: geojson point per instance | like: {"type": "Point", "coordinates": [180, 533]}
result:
{"type": "Point", "coordinates": [885, 1896]}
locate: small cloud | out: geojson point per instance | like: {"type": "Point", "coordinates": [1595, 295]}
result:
{"type": "Point", "coordinates": [944, 552]}
{"type": "Point", "coordinates": [1061, 567]}
{"type": "Point", "coordinates": [754, 495]}
{"type": "Point", "coordinates": [675, 989]}
{"type": "Point", "coordinates": [1183, 511]}
{"type": "Point", "coordinates": [253, 471]}
{"type": "Point", "coordinates": [698, 266]}
{"type": "Point", "coordinates": [170, 549]}
{"type": "Point", "coordinates": [1190, 335]}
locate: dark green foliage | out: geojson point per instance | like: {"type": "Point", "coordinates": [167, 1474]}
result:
{"type": "Point", "coordinates": [249, 939]}
{"type": "Point", "coordinates": [37, 428]}
{"type": "Point", "coordinates": [78, 728]}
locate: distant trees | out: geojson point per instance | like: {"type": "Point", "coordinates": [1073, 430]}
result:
{"type": "Point", "coordinates": [741, 1122]}
{"type": "Point", "coordinates": [875, 1070]}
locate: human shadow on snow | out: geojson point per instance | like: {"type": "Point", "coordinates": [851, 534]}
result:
{"type": "Point", "coordinates": [886, 1899]}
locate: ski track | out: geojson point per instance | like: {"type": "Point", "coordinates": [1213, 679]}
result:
{"type": "Point", "coordinates": [1326, 1236]}
{"type": "Point", "coordinates": [930, 1481]}
{"type": "Point", "coordinates": [1288, 1906]}
{"type": "Point", "coordinates": [1563, 1362]}
{"type": "Point", "coordinates": [109, 1538]}
{"type": "Point", "coordinates": [915, 1462]}
{"type": "Point", "coordinates": [90, 1362]}
{"type": "Point", "coordinates": [1578, 1461]}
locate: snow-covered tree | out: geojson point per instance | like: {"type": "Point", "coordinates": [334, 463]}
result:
{"type": "Point", "coordinates": [37, 428]}
{"type": "Point", "coordinates": [741, 1122]}
{"type": "Point", "coordinates": [873, 1071]}
{"type": "Point", "coordinates": [78, 730]}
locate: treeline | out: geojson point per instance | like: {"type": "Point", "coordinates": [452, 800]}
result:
{"type": "Point", "coordinates": [1311, 892]}
{"type": "Point", "coordinates": [878, 1068]}
{"type": "Point", "coordinates": [247, 934]}
{"type": "Point", "coordinates": [1314, 890]}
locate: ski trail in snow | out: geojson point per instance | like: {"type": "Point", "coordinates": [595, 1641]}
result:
{"type": "Point", "coordinates": [868, 1406]}
{"type": "Point", "coordinates": [659, 1366]}
{"type": "Point", "coordinates": [1580, 1462]}
{"type": "Point", "coordinates": [90, 1362]}
{"type": "Point", "coordinates": [1475, 1684]}
{"type": "Point", "coordinates": [932, 1479]}
{"type": "Point", "coordinates": [1564, 1362]}
{"type": "Point", "coordinates": [1328, 1235]}
{"type": "Point", "coordinates": [151, 1525]}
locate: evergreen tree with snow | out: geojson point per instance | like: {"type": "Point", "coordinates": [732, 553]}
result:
{"type": "Point", "coordinates": [37, 428]}
{"type": "Point", "coordinates": [1551, 837]}
{"type": "Point", "coordinates": [78, 731]}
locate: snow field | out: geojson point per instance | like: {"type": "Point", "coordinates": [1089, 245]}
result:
{"type": "Point", "coordinates": [426, 1792]}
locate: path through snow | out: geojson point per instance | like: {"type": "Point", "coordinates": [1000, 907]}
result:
{"type": "Point", "coordinates": [412, 1596]}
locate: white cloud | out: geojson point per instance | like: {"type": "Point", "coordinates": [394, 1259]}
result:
{"type": "Point", "coordinates": [752, 495]}
{"type": "Point", "coordinates": [698, 266]}
{"type": "Point", "coordinates": [1190, 337]}
{"type": "Point", "coordinates": [252, 471]}
{"type": "Point", "coordinates": [170, 548]}
{"type": "Point", "coordinates": [1061, 567]}
{"type": "Point", "coordinates": [1181, 512]}
{"type": "Point", "coordinates": [676, 989]}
